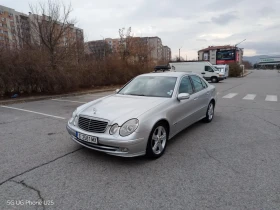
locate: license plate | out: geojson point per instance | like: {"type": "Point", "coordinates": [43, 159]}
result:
{"type": "Point", "coordinates": [87, 138]}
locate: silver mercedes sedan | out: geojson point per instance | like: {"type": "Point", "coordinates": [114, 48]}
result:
{"type": "Point", "coordinates": [141, 117]}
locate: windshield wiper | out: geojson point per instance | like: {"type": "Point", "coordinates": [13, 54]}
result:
{"type": "Point", "coordinates": [136, 94]}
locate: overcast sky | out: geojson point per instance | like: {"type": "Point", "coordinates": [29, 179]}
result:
{"type": "Point", "coordinates": [189, 24]}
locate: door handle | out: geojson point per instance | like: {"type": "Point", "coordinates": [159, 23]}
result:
{"type": "Point", "coordinates": [208, 93]}
{"type": "Point", "coordinates": [202, 72]}
{"type": "Point", "coordinates": [195, 98]}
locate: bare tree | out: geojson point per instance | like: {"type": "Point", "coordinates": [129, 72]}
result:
{"type": "Point", "coordinates": [247, 64]}
{"type": "Point", "coordinates": [134, 50]}
{"type": "Point", "coordinates": [51, 29]}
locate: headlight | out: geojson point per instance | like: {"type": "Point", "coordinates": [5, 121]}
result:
{"type": "Point", "coordinates": [113, 129]}
{"type": "Point", "coordinates": [76, 120]}
{"type": "Point", "coordinates": [73, 117]}
{"type": "Point", "coordinates": [129, 127]}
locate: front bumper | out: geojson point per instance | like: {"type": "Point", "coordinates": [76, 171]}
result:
{"type": "Point", "coordinates": [125, 147]}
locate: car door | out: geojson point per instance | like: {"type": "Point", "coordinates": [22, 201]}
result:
{"type": "Point", "coordinates": [183, 111]}
{"type": "Point", "coordinates": [201, 94]}
{"type": "Point", "coordinates": [208, 73]}
{"type": "Point", "coordinates": [206, 95]}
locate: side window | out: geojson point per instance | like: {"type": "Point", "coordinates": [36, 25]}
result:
{"type": "Point", "coordinates": [209, 69]}
{"type": "Point", "coordinates": [204, 83]}
{"type": "Point", "coordinates": [197, 83]}
{"type": "Point", "coordinates": [185, 86]}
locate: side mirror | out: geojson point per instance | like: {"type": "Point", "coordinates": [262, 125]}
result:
{"type": "Point", "coordinates": [183, 96]}
{"type": "Point", "coordinates": [117, 90]}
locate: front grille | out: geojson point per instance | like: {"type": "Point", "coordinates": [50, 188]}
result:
{"type": "Point", "coordinates": [92, 125]}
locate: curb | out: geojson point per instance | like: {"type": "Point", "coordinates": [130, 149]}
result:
{"type": "Point", "coordinates": [39, 98]}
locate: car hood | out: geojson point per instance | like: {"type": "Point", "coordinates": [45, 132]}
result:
{"type": "Point", "coordinates": [120, 108]}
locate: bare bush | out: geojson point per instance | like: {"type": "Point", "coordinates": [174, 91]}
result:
{"type": "Point", "coordinates": [234, 69]}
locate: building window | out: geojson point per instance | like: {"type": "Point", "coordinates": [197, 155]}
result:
{"type": "Point", "coordinates": [3, 19]}
{"type": "Point", "coordinates": [226, 55]}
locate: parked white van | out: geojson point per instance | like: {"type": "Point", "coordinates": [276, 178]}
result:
{"type": "Point", "coordinates": [223, 70]}
{"type": "Point", "coordinates": [204, 68]}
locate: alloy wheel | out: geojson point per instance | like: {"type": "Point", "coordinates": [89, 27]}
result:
{"type": "Point", "coordinates": [210, 111]}
{"type": "Point", "coordinates": [158, 140]}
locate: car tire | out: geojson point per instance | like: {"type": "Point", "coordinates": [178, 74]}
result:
{"type": "Point", "coordinates": [214, 79]}
{"type": "Point", "coordinates": [210, 112]}
{"type": "Point", "coordinates": [159, 136]}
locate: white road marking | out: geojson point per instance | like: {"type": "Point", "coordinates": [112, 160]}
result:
{"type": "Point", "coordinates": [24, 110]}
{"type": "Point", "coordinates": [250, 97]}
{"type": "Point", "coordinates": [230, 95]}
{"type": "Point", "coordinates": [271, 98]}
{"type": "Point", "coordinates": [69, 101]}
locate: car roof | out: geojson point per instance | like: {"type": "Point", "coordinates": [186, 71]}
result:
{"type": "Point", "coordinates": [167, 74]}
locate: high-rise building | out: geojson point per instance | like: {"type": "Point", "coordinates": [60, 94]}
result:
{"type": "Point", "coordinates": [9, 27]}
{"type": "Point", "coordinates": [155, 45]}
{"type": "Point", "coordinates": [18, 29]}
{"type": "Point", "coordinates": [155, 49]}
{"type": "Point", "coordinates": [166, 53]}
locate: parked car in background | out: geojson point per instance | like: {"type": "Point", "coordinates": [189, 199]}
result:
{"type": "Point", "coordinates": [203, 68]}
{"type": "Point", "coordinates": [223, 70]}
{"type": "Point", "coordinates": [142, 116]}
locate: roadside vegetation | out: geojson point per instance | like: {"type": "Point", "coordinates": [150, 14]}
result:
{"type": "Point", "coordinates": [235, 70]}
{"type": "Point", "coordinates": [47, 63]}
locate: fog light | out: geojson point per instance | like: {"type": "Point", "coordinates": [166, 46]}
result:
{"type": "Point", "coordinates": [114, 129]}
{"type": "Point", "coordinates": [123, 149]}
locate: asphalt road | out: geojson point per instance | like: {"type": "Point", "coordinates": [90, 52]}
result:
{"type": "Point", "coordinates": [231, 163]}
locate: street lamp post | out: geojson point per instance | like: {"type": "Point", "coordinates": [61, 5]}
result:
{"type": "Point", "coordinates": [179, 53]}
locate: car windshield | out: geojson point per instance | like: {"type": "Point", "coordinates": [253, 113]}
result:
{"type": "Point", "coordinates": [153, 86]}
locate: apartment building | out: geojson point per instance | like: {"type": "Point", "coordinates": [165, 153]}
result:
{"type": "Point", "coordinates": [71, 34]}
{"type": "Point", "coordinates": [8, 27]}
{"type": "Point", "coordinates": [156, 50]}
{"type": "Point", "coordinates": [18, 29]}
{"type": "Point", "coordinates": [166, 53]}
{"type": "Point", "coordinates": [98, 48]}
{"type": "Point", "coordinates": [115, 45]}
{"type": "Point", "coordinates": [155, 47]}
